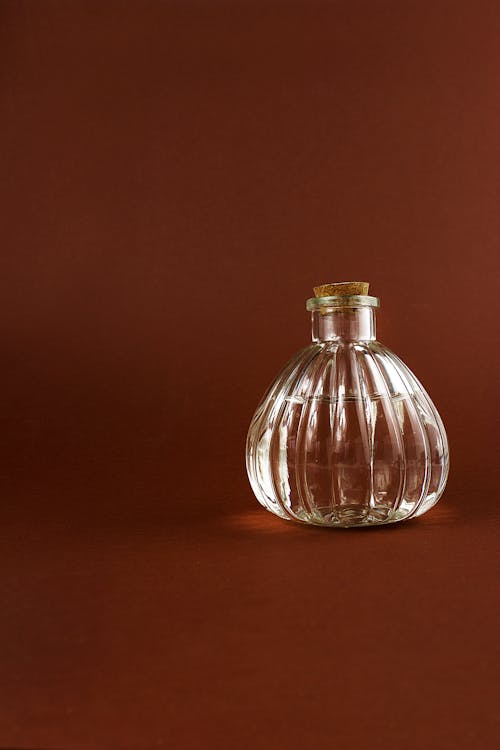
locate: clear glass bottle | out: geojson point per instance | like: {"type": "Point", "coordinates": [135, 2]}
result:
{"type": "Point", "coordinates": [346, 435]}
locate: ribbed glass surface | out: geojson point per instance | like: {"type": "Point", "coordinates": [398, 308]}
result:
{"type": "Point", "coordinates": [347, 436]}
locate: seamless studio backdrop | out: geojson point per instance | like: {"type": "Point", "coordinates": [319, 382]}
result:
{"type": "Point", "coordinates": [176, 177]}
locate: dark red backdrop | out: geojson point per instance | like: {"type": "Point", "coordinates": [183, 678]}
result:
{"type": "Point", "coordinates": [175, 179]}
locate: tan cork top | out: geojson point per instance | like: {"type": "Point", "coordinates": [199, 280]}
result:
{"type": "Point", "coordinates": [342, 289]}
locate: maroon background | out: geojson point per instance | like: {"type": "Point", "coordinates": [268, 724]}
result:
{"type": "Point", "coordinates": [175, 179]}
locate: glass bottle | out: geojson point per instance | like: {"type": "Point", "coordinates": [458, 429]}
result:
{"type": "Point", "coordinates": [346, 435]}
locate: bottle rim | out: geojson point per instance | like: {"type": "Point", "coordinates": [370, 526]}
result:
{"type": "Point", "coordinates": [352, 300]}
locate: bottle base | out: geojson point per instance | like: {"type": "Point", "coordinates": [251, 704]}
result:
{"type": "Point", "coordinates": [351, 516]}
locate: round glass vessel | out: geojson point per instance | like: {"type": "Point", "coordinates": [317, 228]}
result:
{"type": "Point", "coordinates": [346, 435]}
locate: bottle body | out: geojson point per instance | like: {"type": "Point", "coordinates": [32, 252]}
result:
{"type": "Point", "coordinates": [346, 435]}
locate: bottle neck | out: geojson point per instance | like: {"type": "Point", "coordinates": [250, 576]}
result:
{"type": "Point", "coordinates": [344, 323]}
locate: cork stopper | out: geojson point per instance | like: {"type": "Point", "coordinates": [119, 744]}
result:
{"type": "Point", "coordinates": [342, 289]}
